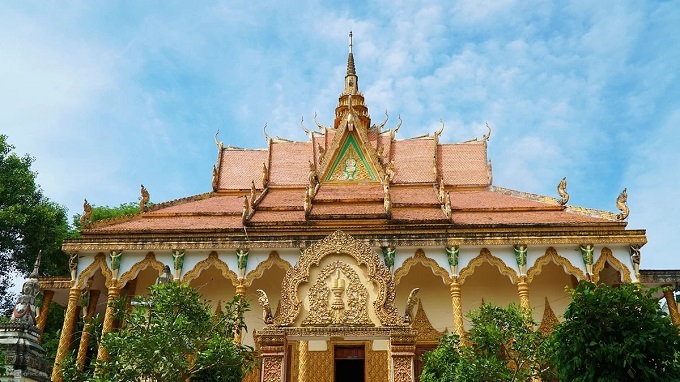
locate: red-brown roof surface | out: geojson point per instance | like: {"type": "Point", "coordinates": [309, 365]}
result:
{"type": "Point", "coordinates": [413, 192]}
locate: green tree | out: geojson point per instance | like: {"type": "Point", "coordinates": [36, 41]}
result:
{"type": "Point", "coordinates": [171, 335]}
{"type": "Point", "coordinates": [616, 334]}
{"type": "Point", "coordinates": [29, 222]}
{"type": "Point", "coordinates": [104, 212]}
{"type": "Point", "coordinates": [501, 346]}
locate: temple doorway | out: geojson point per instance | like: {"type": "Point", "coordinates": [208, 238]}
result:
{"type": "Point", "coordinates": [349, 363]}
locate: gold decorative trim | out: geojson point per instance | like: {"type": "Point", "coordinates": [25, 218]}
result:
{"type": "Point", "coordinates": [53, 283]}
{"type": "Point", "coordinates": [212, 260]}
{"type": "Point", "coordinates": [272, 260]}
{"type": "Point", "coordinates": [549, 321]}
{"type": "Point", "coordinates": [606, 255]}
{"type": "Point", "coordinates": [336, 243]}
{"type": "Point", "coordinates": [552, 255]}
{"type": "Point", "coordinates": [420, 258]}
{"type": "Point", "coordinates": [98, 263]}
{"type": "Point", "coordinates": [485, 255]}
{"type": "Point", "coordinates": [149, 260]}
{"type": "Point", "coordinates": [423, 326]}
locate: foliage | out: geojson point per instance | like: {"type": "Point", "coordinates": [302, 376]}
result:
{"type": "Point", "coordinates": [171, 335]}
{"type": "Point", "coordinates": [616, 334]}
{"type": "Point", "coordinates": [501, 346]}
{"type": "Point", "coordinates": [29, 222]}
{"type": "Point", "coordinates": [103, 212]}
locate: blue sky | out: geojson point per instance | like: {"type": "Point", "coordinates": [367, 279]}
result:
{"type": "Point", "coordinates": [108, 95]}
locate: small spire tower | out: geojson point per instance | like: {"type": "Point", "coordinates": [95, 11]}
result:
{"type": "Point", "coordinates": [351, 95]}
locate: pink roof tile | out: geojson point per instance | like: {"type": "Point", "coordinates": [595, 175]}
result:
{"type": "Point", "coordinates": [216, 204]}
{"type": "Point", "coordinates": [290, 163]}
{"type": "Point", "coordinates": [463, 164]}
{"type": "Point", "coordinates": [413, 161]}
{"type": "Point", "coordinates": [239, 168]}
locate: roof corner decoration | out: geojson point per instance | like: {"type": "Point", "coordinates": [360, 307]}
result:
{"type": "Point", "coordinates": [144, 201]}
{"type": "Point", "coordinates": [86, 217]}
{"type": "Point", "coordinates": [621, 205]}
{"type": "Point", "coordinates": [562, 191]}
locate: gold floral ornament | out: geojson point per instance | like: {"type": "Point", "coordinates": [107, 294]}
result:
{"type": "Point", "coordinates": [327, 304]}
{"type": "Point", "coordinates": [339, 242]}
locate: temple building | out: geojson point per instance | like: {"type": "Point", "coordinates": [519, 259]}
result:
{"type": "Point", "coordinates": [356, 249]}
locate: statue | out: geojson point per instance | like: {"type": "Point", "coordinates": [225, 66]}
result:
{"type": "Point", "coordinates": [587, 253]}
{"type": "Point", "coordinates": [73, 265]}
{"type": "Point", "coordinates": [322, 153]}
{"type": "Point", "coordinates": [635, 258]}
{"type": "Point", "coordinates": [621, 205]}
{"type": "Point", "coordinates": [178, 261]}
{"type": "Point", "coordinates": [145, 199]}
{"type": "Point", "coordinates": [242, 262]}
{"type": "Point", "coordinates": [313, 179]}
{"type": "Point", "coordinates": [26, 306]}
{"type": "Point", "coordinates": [521, 258]}
{"type": "Point", "coordinates": [263, 300]}
{"type": "Point", "coordinates": [410, 304]}
{"type": "Point", "coordinates": [87, 215]}
{"type": "Point", "coordinates": [562, 191]}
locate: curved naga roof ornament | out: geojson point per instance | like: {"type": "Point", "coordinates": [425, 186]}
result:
{"type": "Point", "coordinates": [486, 137]}
{"type": "Point", "coordinates": [302, 124]}
{"type": "Point", "coordinates": [264, 130]}
{"type": "Point", "coordinates": [380, 126]}
{"type": "Point", "coordinates": [218, 143]}
{"type": "Point", "coordinates": [621, 205]}
{"type": "Point", "coordinates": [145, 199]}
{"type": "Point", "coordinates": [562, 191]}
{"type": "Point", "coordinates": [318, 124]}
{"type": "Point", "coordinates": [86, 216]}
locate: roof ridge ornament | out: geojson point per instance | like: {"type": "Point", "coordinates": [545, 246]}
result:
{"type": "Point", "coordinates": [144, 201]}
{"type": "Point", "coordinates": [264, 130]}
{"type": "Point", "coordinates": [319, 125]}
{"type": "Point", "coordinates": [621, 205]}
{"type": "Point", "coordinates": [562, 191]}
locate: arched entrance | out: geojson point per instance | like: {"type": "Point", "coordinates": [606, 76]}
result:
{"type": "Point", "coordinates": [337, 305]}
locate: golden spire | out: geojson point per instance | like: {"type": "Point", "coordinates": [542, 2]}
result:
{"type": "Point", "coordinates": [351, 90]}
{"type": "Point", "coordinates": [351, 79]}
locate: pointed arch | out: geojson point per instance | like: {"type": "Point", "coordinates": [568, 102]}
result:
{"type": "Point", "coordinates": [149, 260]}
{"type": "Point", "coordinates": [486, 256]}
{"type": "Point", "coordinates": [273, 260]}
{"type": "Point", "coordinates": [552, 255]}
{"type": "Point", "coordinates": [98, 263]}
{"type": "Point", "coordinates": [420, 258]}
{"type": "Point", "coordinates": [212, 260]}
{"type": "Point", "coordinates": [339, 243]}
{"type": "Point", "coordinates": [606, 255]}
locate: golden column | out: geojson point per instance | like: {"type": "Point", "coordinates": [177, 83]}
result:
{"type": "Point", "coordinates": [303, 348]}
{"type": "Point", "coordinates": [457, 307]}
{"type": "Point", "coordinates": [44, 310]}
{"type": "Point", "coordinates": [672, 305]}
{"type": "Point", "coordinates": [523, 292]}
{"type": "Point", "coordinates": [107, 327]}
{"type": "Point", "coordinates": [66, 332]}
{"type": "Point", "coordinates": [85, 337]}
{"type": "Point", "coordinates": [240, 291]}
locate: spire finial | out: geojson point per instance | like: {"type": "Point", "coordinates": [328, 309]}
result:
{"type": "Point", "coordinates": [350, 41]}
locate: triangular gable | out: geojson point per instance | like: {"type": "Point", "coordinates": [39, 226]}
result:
{"type": "Point", "coordinates": [351, 163]}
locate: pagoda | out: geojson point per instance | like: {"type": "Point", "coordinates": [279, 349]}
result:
{"type": "Point", "coordinates": [362, 249]}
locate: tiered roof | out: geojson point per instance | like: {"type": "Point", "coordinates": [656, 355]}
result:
{"type": "Point", "coordinates": [358, 176]}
